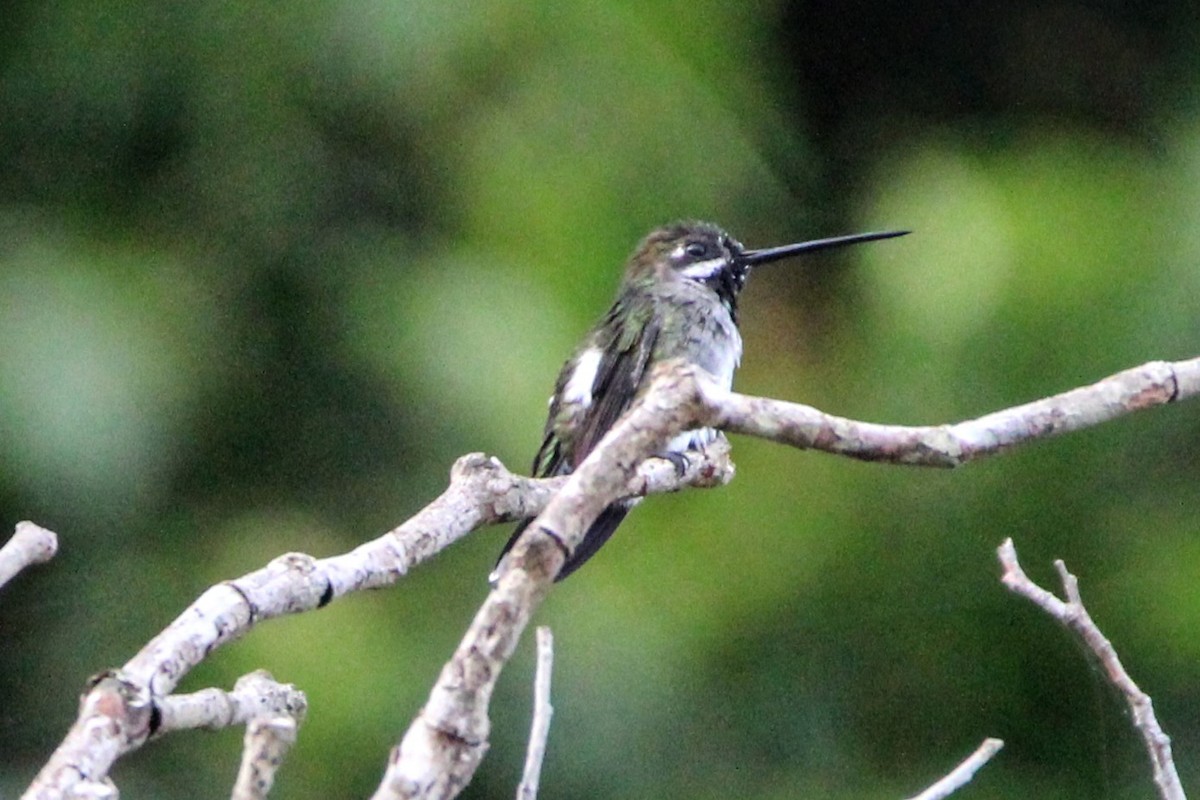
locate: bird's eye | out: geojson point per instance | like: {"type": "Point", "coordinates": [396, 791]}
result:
{"type": "Point", "coordinates": [696, 250]}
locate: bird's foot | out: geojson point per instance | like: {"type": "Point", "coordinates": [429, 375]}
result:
{"type": "Point", "coordinates": [678, 460]}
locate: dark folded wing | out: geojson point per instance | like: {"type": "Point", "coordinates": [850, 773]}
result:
{"type": "Point", "coordinates": [626, 350]}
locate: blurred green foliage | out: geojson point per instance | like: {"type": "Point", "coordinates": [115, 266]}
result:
{"type": "Point", "coordinates": [266, 270]}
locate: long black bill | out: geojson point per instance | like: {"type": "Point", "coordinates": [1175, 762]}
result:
{"type": "Point", "coordinates": [754, 257]}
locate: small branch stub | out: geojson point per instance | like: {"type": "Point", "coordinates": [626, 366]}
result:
{"type": "Point", "coordinates": [30, 544]}
{"type": "Point", "coordinates": [265, 744]}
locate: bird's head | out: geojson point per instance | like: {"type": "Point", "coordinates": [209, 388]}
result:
{"type": "Point", "coordinates": [704, 253]}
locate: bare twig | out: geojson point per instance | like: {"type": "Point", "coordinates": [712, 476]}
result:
{"type": "Point", "coordinates": [1075, 617]}
{"type": "Point", "coordinates": [963, 773]}
{"type": "Point", "coordinates": [542, 712]}
{"type": "Point", "coordinates": [30, 544]}
{"type": "Point", "coordinates": [116, 716]}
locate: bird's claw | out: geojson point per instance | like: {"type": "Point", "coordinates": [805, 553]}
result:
{"type": "Point", "coordinates": [680, 461]}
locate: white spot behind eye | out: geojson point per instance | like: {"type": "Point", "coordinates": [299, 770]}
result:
{"type": "Point", "coordinates": [704, 269]}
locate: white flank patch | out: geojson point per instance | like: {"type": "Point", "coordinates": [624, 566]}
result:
{"type": "Point", "coordinates": [579, 385]}
{"type": "Point", "coordinates": [704, 269]}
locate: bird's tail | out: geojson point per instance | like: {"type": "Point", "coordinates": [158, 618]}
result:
{"type": "Point", "coordinates": [608, 521]}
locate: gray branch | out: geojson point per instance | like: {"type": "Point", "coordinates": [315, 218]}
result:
{"type": "Point", "coordinates": [271, 711]}
{"type": "Point", "coordinates": [254, 696]}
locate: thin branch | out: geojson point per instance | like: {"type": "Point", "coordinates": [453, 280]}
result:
{"type": "Point", "coordinates": [30, 544]}
{"type": "Point", "coordinates": [542, 712]}
{"type": "Point", "coordinates": [1076, 618]}
{"type": "Point", "coordinates": [271, 711]}
{"type": "Point", "coordinates": [962, 774]}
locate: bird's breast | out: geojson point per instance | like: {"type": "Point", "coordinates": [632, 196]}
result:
{"type": "Point", "coordinates": [706, 335]}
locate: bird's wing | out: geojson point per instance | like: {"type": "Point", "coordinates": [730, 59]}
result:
{"type": "Point", "coordinates": [625, 355]}
{"type": "Point", "coordinates": [622, 367]}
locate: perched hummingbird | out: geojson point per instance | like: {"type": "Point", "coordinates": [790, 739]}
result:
{"type": "Point", "coordinates": [677, 299]}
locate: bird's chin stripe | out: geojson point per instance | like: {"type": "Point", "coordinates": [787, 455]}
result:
{"type": "Point", "coordinates": [703, 270]}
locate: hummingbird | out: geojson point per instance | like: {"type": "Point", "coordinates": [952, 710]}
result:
{"type": "Point", "coordinates": [678, 299]}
